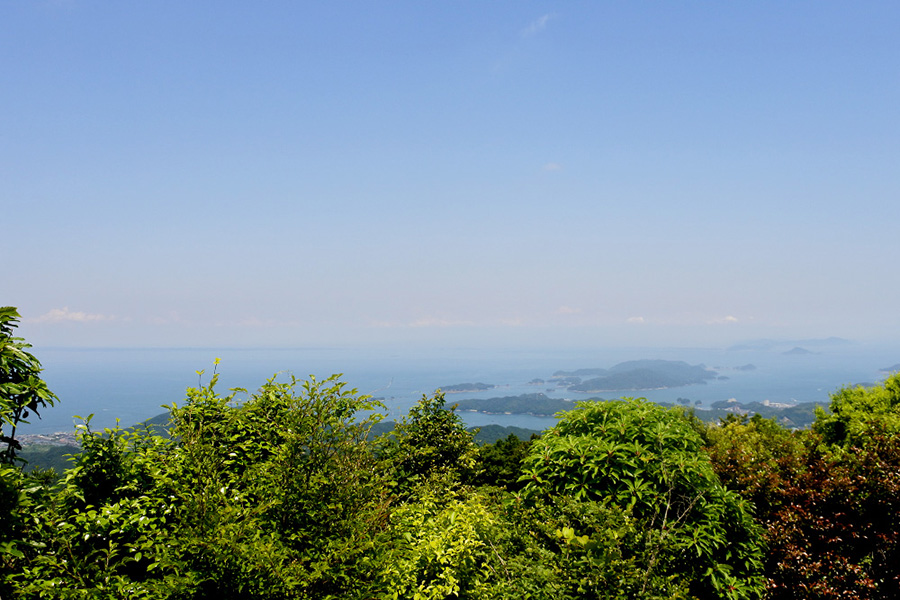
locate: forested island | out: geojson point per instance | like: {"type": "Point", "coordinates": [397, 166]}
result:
{"type": "Point", "coordinates": [538, 405]}
{"type": "Point", "coordinates": [301, 491]}
{"type": "Point", "coordinates": [466, 387]}
{"type": "Point", "coordinates": [636, 375]}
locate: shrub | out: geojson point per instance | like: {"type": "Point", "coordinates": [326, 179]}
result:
{"type": "Point", "coordinates": [646, 463]}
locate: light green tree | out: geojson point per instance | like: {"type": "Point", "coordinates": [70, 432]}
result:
{"type": "Point", "coordinates": [856, 413]}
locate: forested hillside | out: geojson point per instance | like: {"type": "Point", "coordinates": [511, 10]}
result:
{"type": "Point", "coordinates": [287, 495]}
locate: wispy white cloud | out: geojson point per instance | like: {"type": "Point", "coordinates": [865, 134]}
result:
{"type": "Point", "coordinates": [537, 25]}
{"type": "Point", "coordinates": [552, 166]}
{"type": "Point", "coordinates": [723, 320]}
{"type": "Point", "coordinates": [636, 320]}
{"type": "Point", "coordinates": [62, 315]}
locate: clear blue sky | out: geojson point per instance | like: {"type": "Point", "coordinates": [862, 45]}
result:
{"type": "Point", "coordinates": [487, 173]}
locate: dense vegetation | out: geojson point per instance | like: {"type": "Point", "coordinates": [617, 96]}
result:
{"type": "Point", "coordinates": [286, 494]}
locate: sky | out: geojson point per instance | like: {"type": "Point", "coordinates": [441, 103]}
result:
{"type": "Point", "coordinates": [510, 173]}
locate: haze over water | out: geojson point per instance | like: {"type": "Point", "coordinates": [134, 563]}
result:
{"type": "Point", "coordinates": [132, 384]}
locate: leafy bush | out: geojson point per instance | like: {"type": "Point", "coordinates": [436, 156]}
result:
{"type": "Point", "coordinates": [275, 497]}
{"type": "Point", "coordinates": [756, 457]}
{"type": "Point", "coordinates": [856, 413]}
{"type": "Point", "coordinates": [441, 547]}
{"type": "Point", "coordinates": [647, 463]}
{"type": "Point", "coordinates": [103, 532]}
{"type": "Point", "coordinates": [835, 532]}
{"type": "Point", "coordinates": [829, 498]}
{"type": "Point", "coordinates": [588, 550]}
{"type": "Point", "coordinates": [279, 495]}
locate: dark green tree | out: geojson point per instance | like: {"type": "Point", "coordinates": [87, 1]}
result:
{"type": "Point", "coordinates": [429, 446]}
{"type": "Point", "coordinates": [22, 391]}
{"type": "Point", "coordinates": [501, 464]}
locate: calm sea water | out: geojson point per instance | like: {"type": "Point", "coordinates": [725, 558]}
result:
{"type": "Point", "coordinates": [133, 384]}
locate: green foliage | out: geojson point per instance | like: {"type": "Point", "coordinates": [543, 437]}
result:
{"type": "Point", "coordinates": [500, 464]}
{"type": "Point", "coordinates": [589, 550]}
{"type": "Point", "coordinates": [16, 508]}
{"type": "Point", "coordinates": [47, 457]}
{"type": "Point", "coordinates": [835, 530]}
{"type": "Point", "coordinates": [429, 447]}
{"type": "Point", "coordinates": [829, 498]}
{"type": "Point", "coordinates": [442, 547]}
{"type": "Point", "coordinates": [647, 463]}
{"type": "Point", "coordinates": [757, 458]}
{"type": "Point", "coordinates": [22, 391]}
{"type": "Point", "coordinates": [835, 533]}
{"type": "Point", "coordinates": [491, 434]}
{"type": "Point", "coordinates": [279, 495]}
{"type": "Point", "coordinates": [276, 497]}
{"type": "Point", "coordinates": [101, 530]}
{"type": "Point", "coordinates": [856, 413]}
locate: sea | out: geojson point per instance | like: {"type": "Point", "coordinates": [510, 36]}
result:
{"type": "Point", "coordinates": [128, 385]}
